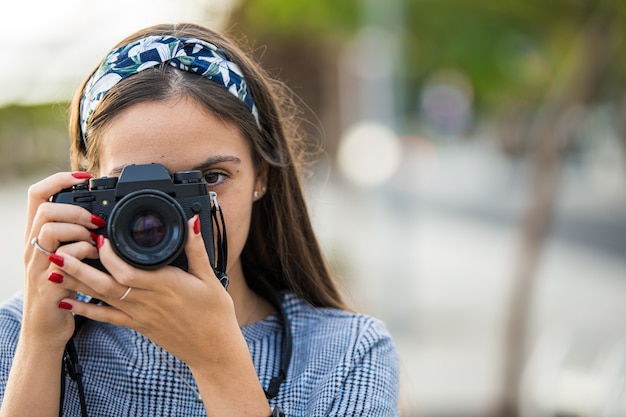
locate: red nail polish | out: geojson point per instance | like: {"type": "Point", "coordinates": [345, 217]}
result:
{"type": "Point", "coordinates": [55, 277]}
{"type": "Point", "coordinates": [56, 259]}
{"type": "Point", "coordinates": [196, 225]}
{"type": "Point", "coordinates": [97, 221]}
{"type": "Point", "coordinates": [100, 241]}
{"type": "Point", "coordinates": [94, 236]}
{"type": "Point", "coordinates": [65, 306]}
{"type": "Point", "coordinates": [81, 175]}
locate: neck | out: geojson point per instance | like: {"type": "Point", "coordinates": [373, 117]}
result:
{"type": "Point", "coordinates": [249, 306]}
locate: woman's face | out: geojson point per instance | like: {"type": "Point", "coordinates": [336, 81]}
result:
{"type": "Point", "coordinates": [182, 135]}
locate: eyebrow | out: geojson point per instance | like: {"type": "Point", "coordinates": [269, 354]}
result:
{"type": "Point", "coordinates": [216, 159]}
{"type": "Point", "coordinates": [210, 161]}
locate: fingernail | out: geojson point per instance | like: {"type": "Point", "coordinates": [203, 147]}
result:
{"type": "Point", "coordinates": [55, 277]}
{"type": "Point", "coordinates": [94, 236]}
{"type": "Point", "coordinates": [56, 259]}
{"type": "Point", "coordinates": [100, 241]}
{"type": "Point", "coordinates": [65, 306]}
{"type": "Point", "coordinates": [98, 221]}
{"type": "Point", "coordinates": [196, 225]}
{"type": "Point", "coordinates": [81, 175]}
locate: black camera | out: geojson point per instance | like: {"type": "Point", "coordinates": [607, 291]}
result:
{"type": "Point", "coordinates": [146, 212]}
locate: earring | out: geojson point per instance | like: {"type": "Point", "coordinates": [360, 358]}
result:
{"type": "Point", "coordinates": [255, 194]}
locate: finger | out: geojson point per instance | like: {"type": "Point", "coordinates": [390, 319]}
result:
{"type": "Point", "coordinates": [41, 192]}
{"type": "Point", "coordinates": [195, 249]}
{"type": "Point", "coordinates": [52, 235]}
{"type": "Point", "coordinates": [63, 277]}
{"type": "Point", "coordinates": [124, 274]}
{"type": "Point", "coordinates": [71, 285]}
{"type": "Point", "coordinates": [79, 250]}
{"type": "Point", "coordinates": [50, 221]}
{"type": "Point", "coordinates": [64, 213]}
{"type": "Point", "coordinates": [99, 284]}
{"type": "Point", "coordinates": [101, 313]}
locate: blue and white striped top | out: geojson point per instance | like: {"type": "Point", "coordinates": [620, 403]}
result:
{"type": "Point", "coordinates": [343, 364]}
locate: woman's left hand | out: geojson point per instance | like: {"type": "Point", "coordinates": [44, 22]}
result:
{"type": "Point", "coordinates": [184, 312]}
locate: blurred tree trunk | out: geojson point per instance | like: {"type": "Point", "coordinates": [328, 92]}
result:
{"type": "Point", "coordinates": [552, 129]}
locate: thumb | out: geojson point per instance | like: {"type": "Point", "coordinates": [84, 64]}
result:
{"type": "Point", "coordinates": [197, 256]}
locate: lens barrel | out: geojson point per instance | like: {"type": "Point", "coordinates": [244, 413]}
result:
{"type": "Point", "coordinates": [148, 229]}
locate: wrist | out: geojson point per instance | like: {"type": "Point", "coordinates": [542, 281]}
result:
{"type": "Point", "coordinates": [42, 342]}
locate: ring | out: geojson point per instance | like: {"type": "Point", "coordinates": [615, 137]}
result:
{"type": "Point", "coordinates": [35, 243]}
{"type": "Point", "coordinates": [126, 293]}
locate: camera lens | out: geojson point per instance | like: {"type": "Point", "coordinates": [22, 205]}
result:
{"type": "Point", "coordinates": [148, 229]}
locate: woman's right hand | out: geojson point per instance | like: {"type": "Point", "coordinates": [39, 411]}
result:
{"type": "Point", "coordinates": [53, 224]}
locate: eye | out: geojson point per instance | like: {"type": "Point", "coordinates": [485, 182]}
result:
{"type": "Point", "coordinates": [214, 178]}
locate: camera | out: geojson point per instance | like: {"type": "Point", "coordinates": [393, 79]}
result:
{"type": "Point", "coordinates": [146, 211]}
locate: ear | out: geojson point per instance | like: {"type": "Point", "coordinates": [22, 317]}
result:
{"type": "Point", "coordinates": [260, 184]}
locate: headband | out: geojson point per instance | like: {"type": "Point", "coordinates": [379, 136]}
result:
{"type": "Point", "coordinates": [191, 55]}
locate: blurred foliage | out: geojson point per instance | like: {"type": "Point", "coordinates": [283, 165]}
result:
{"type": "Point", "coordinates": [33, 141]}
{"type": "Point", "coordinates": [517, 55]}
{"type": "Point", "coordinates": [510, 47]}
{"type": "Point", "coordinates": [321, 19]}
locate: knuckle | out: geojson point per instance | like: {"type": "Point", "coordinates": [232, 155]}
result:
{"type": "Point", "coordinates": [37, 189]}
{"type": "Point", "coordinates": [126, 277]}
{"type": "Point", "coordinates": [46, 229]}
{"type": "Point", "coordinates": [109, 288]}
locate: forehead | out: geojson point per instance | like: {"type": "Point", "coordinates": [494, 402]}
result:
{"type": "Point", "coordinates": [179, 134]}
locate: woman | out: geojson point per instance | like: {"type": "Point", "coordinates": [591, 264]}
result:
{"type": "Point", "coordinates": [174, 341]}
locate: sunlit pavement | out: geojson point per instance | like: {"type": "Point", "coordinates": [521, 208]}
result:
{"type": "Point", "coordinates": [434, 258]}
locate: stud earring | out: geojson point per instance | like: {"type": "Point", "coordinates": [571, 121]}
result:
{"type": "Point", "coordinates": [255, 194]}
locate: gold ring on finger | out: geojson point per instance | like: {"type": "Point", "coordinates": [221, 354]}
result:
{"type": "Point", "coordinates": [128, 290]}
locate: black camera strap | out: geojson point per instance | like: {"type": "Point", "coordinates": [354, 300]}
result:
{"type": "Point", "coordinates": [287, 343]}
{"type": "Point", "coordinates": [72, 367]}
{"type": "Point", "coordinates": [221, 256]}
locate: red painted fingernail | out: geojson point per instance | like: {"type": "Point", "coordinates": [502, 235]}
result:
{"type": "Point", "coordinates": [65, 306]}
{"type": "Point", "coordinates": [94, 236]}
{"type": "Point", "coordinates": [55, 277]}
{"type": "Point", "coordinates": [98, 221]}
{"type": "Point", "coordinates": [196, 225]}
{"type": "Point", "coordinates": [100, 241]}
{"type": "Point", "coordinates": [81, 175]}
{"type": "Point", "coordinates": [56, 259]}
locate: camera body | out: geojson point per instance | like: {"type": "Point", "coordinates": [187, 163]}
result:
{"type": "Point", "coordinates": [146, 212]}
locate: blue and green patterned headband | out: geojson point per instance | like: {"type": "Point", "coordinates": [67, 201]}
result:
{"type": "Point", "coordinates": [192, 55]}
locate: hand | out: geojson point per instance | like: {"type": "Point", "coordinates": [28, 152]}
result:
{"type": "Point", "coordinates": [52, 224]}
{"type": "Point", "coordinates": [187, 313]}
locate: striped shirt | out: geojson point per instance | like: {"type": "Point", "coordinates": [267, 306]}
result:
{"type": "Point", "coordinates": [343, 364]}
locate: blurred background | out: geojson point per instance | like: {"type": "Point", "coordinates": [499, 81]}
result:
{"type": "Point", "coordinates": [470, 191]}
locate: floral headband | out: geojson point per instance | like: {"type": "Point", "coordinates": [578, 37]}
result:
{"type": "Point", "coordinates": [192, 55]}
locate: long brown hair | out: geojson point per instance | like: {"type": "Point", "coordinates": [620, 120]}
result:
{"type": "Point", "coordinates": [281, 245]}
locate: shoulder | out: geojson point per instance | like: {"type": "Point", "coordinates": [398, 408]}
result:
{"type": "Point", "coordinates": [343, 363]}
{"type": "Point", "coordinates": [303, 315]}
{"type": "Point", "coordinates": [334, 330]}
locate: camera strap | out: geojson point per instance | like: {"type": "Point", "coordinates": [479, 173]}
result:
{"type": "Point", "coordinates": [72, 367]}
{"type": "Point", "coordinates": [221, 255]}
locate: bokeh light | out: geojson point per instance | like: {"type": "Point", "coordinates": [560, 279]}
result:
{"type": "Point", "coordinates": [369, 154]}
